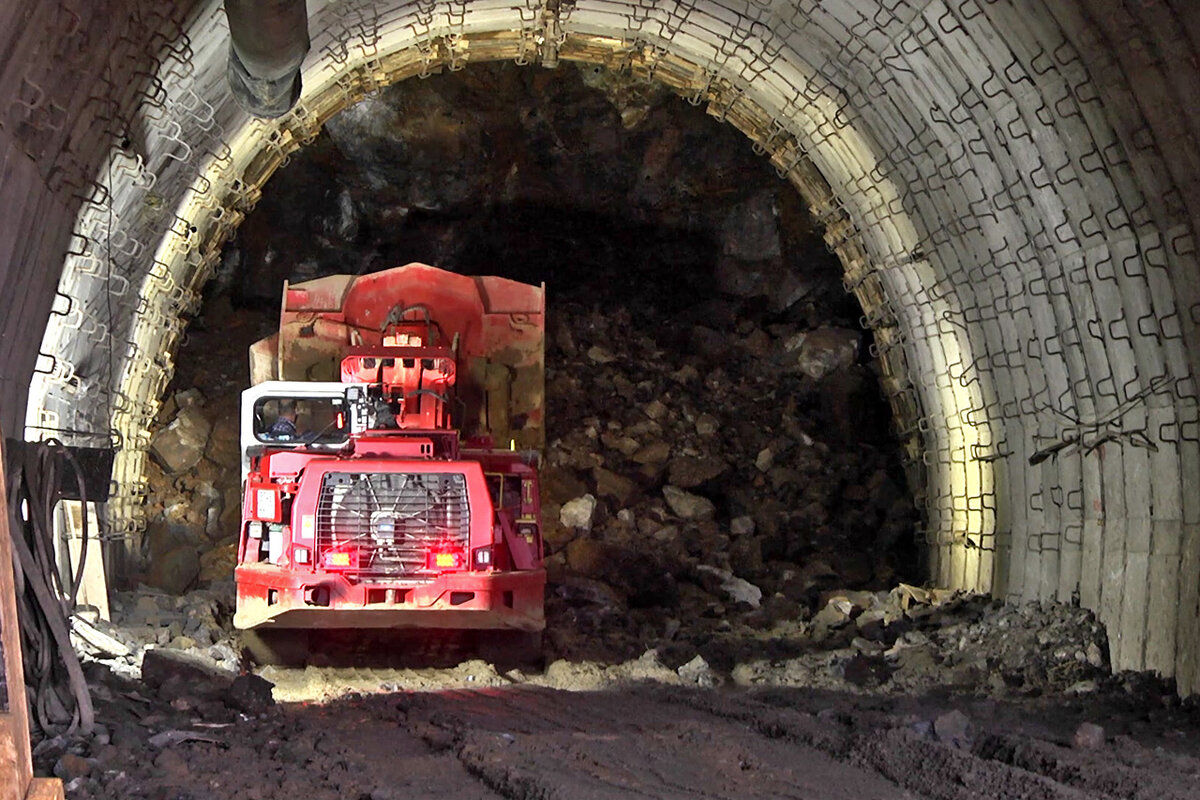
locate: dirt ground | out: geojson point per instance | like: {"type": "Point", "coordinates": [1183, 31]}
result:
{"type": "Point", "coordinates": [644, 739]}
{"type": "Point", "coordinates": [953, 697]}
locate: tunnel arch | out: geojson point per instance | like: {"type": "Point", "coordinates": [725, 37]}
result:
{"type": "Point", "coordinates": [1002, 196]}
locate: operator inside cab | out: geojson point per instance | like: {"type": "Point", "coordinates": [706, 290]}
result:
{"type": "Point", "coordinates": [290, 420]}
{"type": "Point", "coordinates": [284, 426]}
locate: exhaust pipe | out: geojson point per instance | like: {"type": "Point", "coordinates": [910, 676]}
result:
{"type": "Point", "coordinates": [268, 42]}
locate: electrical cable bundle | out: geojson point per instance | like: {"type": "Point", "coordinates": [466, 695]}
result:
{"type": "Point", "coordinates": [59, 701]}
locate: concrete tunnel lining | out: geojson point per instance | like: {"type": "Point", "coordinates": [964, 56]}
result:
{"type": "Point", "coordinates": [1010, 193]}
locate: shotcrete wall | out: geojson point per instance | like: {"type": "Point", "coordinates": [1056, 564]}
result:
{"type": "Point", "coordinates": [1012, 188]}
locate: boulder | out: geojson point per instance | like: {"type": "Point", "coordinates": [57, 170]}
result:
{"type": "Point", "coordinates": [610, 484]}
{"type": "Point", "coordinates": [218, 564]}
{"type": "Point", "coordinates": [180, 446]}
{"type": "Point", "coordinates": [162, 665]}
{"type": "Point", "coordinates": [655, 409]}
{"type": "Point", "coordinates": [688, 472]}
{"type": "Point", "coordinates": [175, 570]}
{"type": "Point", "coordinates": [653, 453]}
{"type": "Point", "coordinates": [953, 728]}
{"type": "Point", "coordinates": [741, 526]}
{"type": "Point", "coordinates": [578, 513]}
{"type": "Point", "coordinates": [1088, 736]}
{"type": "Point", "coordinates": [72, 766]}
{"type": "Point", "coordinates": [587, 556]}
{"type": "Point", "coordinates": [686, 505]}
{"type": "Point", "coordinates": [698, 672]}
{"type": "Point", "coordinates": [224, 445]}
{"type": "Point", "coordinates": [826, 350]}
{"type": "Point", "coordinates": [577, 590]}
{"type": "Point", "coordinates": [600, 355]}
{"type": "Point", "coordinates": [735, 588]}
{"type": "Point", "coordinates": [250, 694]}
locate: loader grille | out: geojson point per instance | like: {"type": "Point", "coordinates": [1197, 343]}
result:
{"type": "Point", "coordinates": [391, 520]}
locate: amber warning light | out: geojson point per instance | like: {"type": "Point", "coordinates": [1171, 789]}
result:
{"type": "Point", "coordinates": [340, 559]}
{"type": "Point", "coordinates": [442, 559]}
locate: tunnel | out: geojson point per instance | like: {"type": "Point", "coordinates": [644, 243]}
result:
{"type": "Point", "coordinates": [1011, 189]}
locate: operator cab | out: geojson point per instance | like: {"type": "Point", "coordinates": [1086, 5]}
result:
{"type": "Point", "coordinates": [290, 420]}
{"type": "Point", "coordinates": [293, 415]}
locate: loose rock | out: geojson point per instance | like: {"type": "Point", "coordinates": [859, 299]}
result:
{"type": "Point", "coordinates": [686, 505]}
{"type": "Point", "coordinates": [578, 513]}
{"type": "Point", "coordinates": [953, 728]}
{"type": "Point", "coordinates": [1088, 736]}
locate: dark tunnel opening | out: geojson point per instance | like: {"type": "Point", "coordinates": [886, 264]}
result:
{"type": "Point", "coordinates": [698, 337]}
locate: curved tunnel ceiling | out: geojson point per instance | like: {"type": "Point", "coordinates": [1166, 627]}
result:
{"type": "Point", "coordinates": [1012, 188]}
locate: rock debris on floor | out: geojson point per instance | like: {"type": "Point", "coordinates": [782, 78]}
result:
{"type": "Point", "coordinates": [1046, 724]}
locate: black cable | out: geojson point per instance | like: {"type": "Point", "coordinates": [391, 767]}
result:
{"type": "Point", "coordinates": [58, 693]}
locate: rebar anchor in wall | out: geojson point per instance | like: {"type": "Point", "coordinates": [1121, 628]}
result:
{"type": "Point", "coordinates": [551, 36]}
{"type": "Point", "coordinates": [1091, 435]}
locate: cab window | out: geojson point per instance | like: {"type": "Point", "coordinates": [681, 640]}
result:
{"type": "Point", "coordinates": [300, 420]}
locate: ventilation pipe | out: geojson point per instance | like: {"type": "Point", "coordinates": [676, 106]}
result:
{"type": "Point", "coordinates": [268, 42]}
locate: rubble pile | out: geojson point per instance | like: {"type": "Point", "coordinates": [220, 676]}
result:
{"type": "Point", "coordinates": [193, 473]}
{"type": "Point", "coordinates": [955, 669]}
{"type": "Point", "coordinates": [912, 641]}
{"type": "Point", "coordinates": [196, 625]}
{"type": "Point", "coordinates": [709, 476]}
{"type": "Point", "coordinates": [148, 728]}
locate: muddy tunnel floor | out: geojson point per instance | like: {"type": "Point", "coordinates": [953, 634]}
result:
{"type": "Point", "coordinates": [973, 700]}
{"type": "Point", "coordinates": [734, 598]}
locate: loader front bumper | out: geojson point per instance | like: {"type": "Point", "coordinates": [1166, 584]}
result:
{"type": "Point", "coordinates": [270, 596]}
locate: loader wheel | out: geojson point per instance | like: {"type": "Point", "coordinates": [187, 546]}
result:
{"type": "Point", "coordinates": [282, 647]}
{"type": "Point", "coordinates": [506, 649]}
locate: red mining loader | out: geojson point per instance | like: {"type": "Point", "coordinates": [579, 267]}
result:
{"type": "Point", "coordinates": [389, 457]}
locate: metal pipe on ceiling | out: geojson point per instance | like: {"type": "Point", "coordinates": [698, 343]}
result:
{"type": "Point", "coordinates": [268, 43]}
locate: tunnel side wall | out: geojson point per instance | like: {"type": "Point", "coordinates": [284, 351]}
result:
{"type": "Point", "coordinates": [1011, 187]}
{"type": "Point", "coordinates": [76, 78]}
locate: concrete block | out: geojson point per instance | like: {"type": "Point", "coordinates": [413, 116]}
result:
{"type": "Point", "coordinates": [1070, 563]}
{"type": "Point", "coordinates": [1187, 614]}
{"type": "Point", "coordinates": [1112, 583]}
{"type": "Point", "coordinates": [1131, 651]}
{"type": "Point", "coordinates": [1016, 563]}
{"type": "Point", "coordinates": [1137, 534]}
{"type": "Point", "coordinates": [1050, 558]}
{"type": "Point", "coordinates": [1166, 536]}
{"type": "Point", "coordinates": [1092, 562]}
{"type": "Point", "coordinates": [1002, 564]}
{"type": "Point", "coordinates": [1163, 611]}
{"type": "Point", "coordinates": [1189, 457]}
